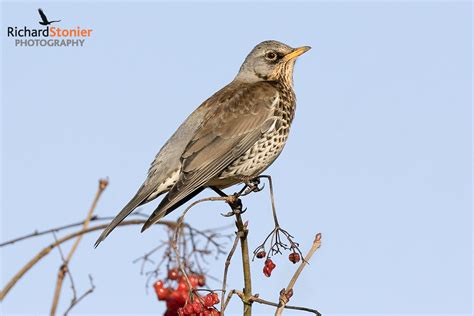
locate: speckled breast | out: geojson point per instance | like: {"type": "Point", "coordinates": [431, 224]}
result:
{"type": "Point", "coordinates": [269, 146]}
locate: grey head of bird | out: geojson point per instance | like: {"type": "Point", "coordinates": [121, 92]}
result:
{"type": "Point", "coordinates": [270, 61]}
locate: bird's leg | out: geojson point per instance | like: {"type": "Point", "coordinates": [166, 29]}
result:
{"type": "Point", "coordinates": [218, 191]}
{"type": "Point", "coordinates": [272, 197]}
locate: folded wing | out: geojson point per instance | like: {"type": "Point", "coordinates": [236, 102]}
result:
{"type": "Point", "coordinates": [238, 121]}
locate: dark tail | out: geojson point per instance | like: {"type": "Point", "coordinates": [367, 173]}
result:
{"type": "Point", "coordinates": [165, 208]}
{"type": "Point", "coordinates": [136, 201]}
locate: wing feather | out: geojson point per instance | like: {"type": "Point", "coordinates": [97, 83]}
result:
{"type": "Point", "coordinates": [228, 132]}
{"type": "Point", "coordinates": [43, 16]}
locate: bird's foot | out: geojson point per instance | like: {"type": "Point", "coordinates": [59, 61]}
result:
{"type": "Point", "coordinates": [253, 185]}
{"type": "Point", "coordinates": [236, 205]}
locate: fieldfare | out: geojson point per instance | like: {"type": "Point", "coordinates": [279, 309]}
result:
{"type": "Point", "coordinates": [231, 138]}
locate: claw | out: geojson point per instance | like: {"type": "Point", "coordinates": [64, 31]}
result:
{"type": "Point", "coordinates": [228, 214]}
{"type": "Point", "coordinates": [258, 189]}
{"type": "Point", "coordinates": [253, 186]}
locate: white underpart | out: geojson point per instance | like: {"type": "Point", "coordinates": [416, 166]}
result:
{"type": "Point", "coordinates": [165, 185]}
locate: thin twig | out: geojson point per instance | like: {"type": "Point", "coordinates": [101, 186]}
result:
{"type": "Point", "coordinates": [285, 294]}
{"type": "Point", "coordinates": [36, 233]}
{"type": "Point", "coordinates": [68, 272]}
{"type": "Point", "coordinates": [229, 297]}
{"type": "Point", "coordinates": [299, 308]}
{"type": "Point", "coordinates": [237, 209]}
{"type": "Point", "coordinates": [226, 270]}
{"type": "Point", "coordinates": [80, 298]}
{"type": "Point", "coordinates": [64, 268]}
{"type": "Point", "coordinates": [174, 240]}
{"type": "Point", "coordinates": [243, 232]}
{"type": "Point", "coordinates": [45, 251]}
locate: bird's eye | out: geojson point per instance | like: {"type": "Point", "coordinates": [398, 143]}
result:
{"type": "Point", "coordinates": [271, 56]}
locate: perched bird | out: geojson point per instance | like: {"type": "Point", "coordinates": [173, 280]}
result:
{"type": "Point", "coordinates": [231, 138]}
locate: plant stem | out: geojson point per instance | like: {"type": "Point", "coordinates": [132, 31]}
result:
{"type": "Point", "coordinates": [45, 251]}
{"type": "Point", "coordinates": [64, 268]}
{"type": "Point", "coordinates": [243, 231]}
{"type": "Point", "coordinates": [285, 294]}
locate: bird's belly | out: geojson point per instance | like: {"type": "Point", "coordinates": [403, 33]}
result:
{"type": "Point", "coordinates": [258, 158]}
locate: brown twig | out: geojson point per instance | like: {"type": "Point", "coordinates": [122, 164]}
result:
{"type": "Point", "coordinates": [243, 232]}
{"type": "Point", "coordinates": [237, 209]}
{"type": "Point", "coordinates": [76, 301]}
{"type": "Point", "coordinates": [285, 294]}
{"type": "Point", "coordinates": [259, 300]}
{"type": "Point", "coordinates": [64, 268]}
{"type": "Point", "coordinates": [174, 240]}
{"type": "Point", "coordinates": [229, 297]}
{"type": "Point", "coordinates": [226, 270]}
{"type": "Point", "coordinates": [45, 251]}
{"type": "Point", "coordinates": [68, 272]}
{"type": "Point", "coordinates": [94, 218]}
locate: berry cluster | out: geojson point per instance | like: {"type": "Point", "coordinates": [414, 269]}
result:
{"type": "Point", "coordinates": [202, 306]}
{"type": "Point", "coordinates": [294, 257]}
{"type": "Point", "coordinates": [178, 297]}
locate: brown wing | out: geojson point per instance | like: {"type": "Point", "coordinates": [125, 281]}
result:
{"type": "Point", "coordinates": [242, 114]}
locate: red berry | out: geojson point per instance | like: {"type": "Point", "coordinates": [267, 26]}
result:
{"type": "Point", "coordinates": [215, 298]}
{"type": "Point", "coordinates": [174, 301]}
{"type": "Point", "coordinates": [181, 312]}
{"type": "Point", "coordinates": [188, 309]}
{"type": "Point", "coordinates": [184, 297]}
{"type": "Point", "coordinates": [194, 280]}
{"type": "Point", "coordinates": [173, 274]}
{"type": "Point", "coordinates": [201, 280]}
{"type": "Point", "coordinates": [162, 293]}
{"type": "Point", "coordinates": [172, 304]}
{"type": "Point", "coordinates": [182, 287]}
{"type": "Point", "coordinates": [267, 271]}
{"type": "Point", "coordinates": [170, 312]}
{"type": "Point", "coordinates": [158, 285]}
{"type": "Point", "coordinates": [208, 300]}
{"type": "Point", "coordinates": [294, 257]}
{"type": "Point", "coordinates": [197, 306]}
{"type": "Point", "coordinates": [261, 254]}
{"type": "Point", "coordinates": [269, 263]}
{"type": "Point", "coordinates": [215, 313]}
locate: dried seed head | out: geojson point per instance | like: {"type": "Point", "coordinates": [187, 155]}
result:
{"type": "Point", "coordinates": [261, 254]}
{"type": "Point", "coordinates": [294, 257]}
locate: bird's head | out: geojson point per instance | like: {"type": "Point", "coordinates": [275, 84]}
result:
{"type": "Point", "coordinates": [270, 61]}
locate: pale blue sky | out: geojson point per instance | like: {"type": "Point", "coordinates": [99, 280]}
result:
{"type": "Point", "coordinates": [379, 159]}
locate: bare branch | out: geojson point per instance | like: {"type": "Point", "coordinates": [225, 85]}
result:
{"type": "Point", "coordinates": [36, 233]}
{"type": "Point", "coordinates": [64, 268]}
{"type": "Point", "coordinates": [226, 270]}
{"type": "Point", "coordinates": [257, 299]}
{"type": "Point", "coordinates": [68, 272]}
{"type": "Point", "coordinates": [45, 251]}
{"type": "Point", "coordinates": [285, 294]}
{"type": "Point", "coordinates": [80, 298]}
